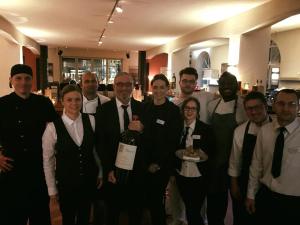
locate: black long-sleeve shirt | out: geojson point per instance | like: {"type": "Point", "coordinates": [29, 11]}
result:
{"type": "Point", "coordinates": [22, 123]}
{"type": "Point", "coordinates": [162, 131]}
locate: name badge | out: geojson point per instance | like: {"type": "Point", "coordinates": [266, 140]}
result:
{"type": "Point", "coordinates": [161, 122]}
{"type": "Point", "coordinates": [196, 137]}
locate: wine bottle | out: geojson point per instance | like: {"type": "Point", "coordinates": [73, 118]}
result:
{"type": "Point", "coordinates": [126, 154]}
{"type": "Point", "coordinates": [173, 82]}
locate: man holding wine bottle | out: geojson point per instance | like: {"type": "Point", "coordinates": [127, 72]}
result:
{"type": "Point", "coordinates": [117, 134]}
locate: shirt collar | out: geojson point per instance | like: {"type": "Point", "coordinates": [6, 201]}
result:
{"type": "Point", "coordinates": [86, 100]}
{"type": "Point", "coordinates": [68, 120]}
{"type": "Point", "coordinates": [290, 127]}
{"type": "Point", "coordinates": [191, 126]}
{"type": "Point", "coordinates": [119, 103]}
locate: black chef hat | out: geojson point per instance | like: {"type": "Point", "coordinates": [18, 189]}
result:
{"type": "Point", "coordinates": [20, 68]}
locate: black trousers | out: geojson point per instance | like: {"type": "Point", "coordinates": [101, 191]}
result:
{"type": "Point", "coordinates": [217, 207]}
{"type": "Point", "coordinates": [274, 208]}
{"type": "Point", "coordinates": [193, 192]}
{"type": "Point", "coordinates": [240, 214]}
{"type": "Point", "coordinates": [18, 204]}
{"type": "Point", "coordinates": [156, 189]}
{"type": "Point", "coordinates": [75, 204]}
{"type": "Point", "coordinates": [128, 197]}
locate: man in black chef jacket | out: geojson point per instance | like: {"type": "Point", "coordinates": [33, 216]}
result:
{"type": "Point", "coordinates": [23, 118]}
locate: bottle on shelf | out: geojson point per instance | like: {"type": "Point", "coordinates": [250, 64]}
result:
{"type": "Point", "coordinates": [126, 154]}
{"type": "Point", "coordinates": [173, 82]}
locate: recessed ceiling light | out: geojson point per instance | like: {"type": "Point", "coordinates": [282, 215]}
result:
{"type": "Point", "coordinates": [119, 9]}
{"type": "Point", "coordinates": [110, 21]}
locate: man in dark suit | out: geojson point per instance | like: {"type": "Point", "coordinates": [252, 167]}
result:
{"type": "Point", "coordinates": [112, 119]}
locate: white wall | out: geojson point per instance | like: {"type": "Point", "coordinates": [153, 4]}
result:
{"type": "Point", "coordinates": [9, 55]}
{"type": "Point", "coordinates": [218, 55]}
{"type": "Point", "coordinates": [254, 56]}
{"type": "Point", "coordinates": [180, 60]}
{"type": "Point", "coordinates": [288, 43]}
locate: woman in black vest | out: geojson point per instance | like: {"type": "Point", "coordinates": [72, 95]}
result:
{"type": "Point", "coordinates": [162, 128]}
{"type": "Point", "coordinates": [69, 159]}
{"type": "Point", "coordinates": [191, 176]}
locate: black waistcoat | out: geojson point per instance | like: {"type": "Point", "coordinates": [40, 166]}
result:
{"type": "Point", "coordinates": [75, 164]}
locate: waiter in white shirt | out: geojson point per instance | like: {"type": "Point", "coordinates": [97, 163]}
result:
{"type": "Point", "coordinates": [91, 99]}
{"type": "Point", "coordinates": [92, 102]}
{"type": "Point", "coordinates": [70, 160]}
{"type": "Point", "coordinates": [274, 184]}
{"type": "Point", "coordinates": [241, 154]}
{"type": "Point", "coordinates": [226, 113]}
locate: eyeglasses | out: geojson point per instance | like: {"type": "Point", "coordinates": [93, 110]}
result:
{"type": "Point", "coordinates": [288, 104]}
{"type": "Point", "coordinates": [184, 81]}
{"type": "Point", "coordinates": [121, 84]}
{"type": "Point", "coordinates": [190, 109]}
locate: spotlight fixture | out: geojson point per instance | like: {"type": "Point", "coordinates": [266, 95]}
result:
{"type": "Point", "coordinates": [100, 42]}
{"type": "Point", "coordinates": [119, 9]}
{"type": "Point", "coordinates": [110, 21]}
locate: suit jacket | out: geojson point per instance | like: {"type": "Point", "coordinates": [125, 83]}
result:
{"type": "Point", "coordinates": [205, 143]}
{"type": "Point", "coordinates": [108, 134]}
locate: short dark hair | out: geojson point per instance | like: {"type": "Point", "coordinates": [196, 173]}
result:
{"type": "Point", "coordinates": [227, 74]}
{"type": "Point", "coordinates": [70, 88]}
{"type": "Point", "coordinates": [162, 77]}
{"type": "Point", "coordinates": [253, 95]}
{"type": "Point", "coordinates": [191, 99]}
{"type": "Point", "coordinates": [287, 91]}
{"type": "Point", "coordinates": [190, 71]}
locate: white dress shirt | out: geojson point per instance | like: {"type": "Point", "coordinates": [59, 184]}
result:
{"type": "Point", "coordinates": [189, 169]}
{"type": "Point", "coordinates": [235, 162]}
{"type": "Point", "coordinates": [75, 129]}
{"type": "Point", "coordinates": [203, 97]}
{"type": "Point", "coordinates": [228, 107]}
{"type": "Point", "coordinates": [90, 106]}
{"type": "Point", "coordinates": [288, 183]}
{"type": "Point", "coordinates": [121, 113]}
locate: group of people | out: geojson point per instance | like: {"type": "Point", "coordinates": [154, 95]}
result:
{"type": "Point", "coordinates": [71, 159]}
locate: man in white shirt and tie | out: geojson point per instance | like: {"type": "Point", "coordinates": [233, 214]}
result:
{"type": "Point", "coordinates": [91, 99]}
{"type": "Point", "coordinates": [244, 140]}
{"type": "Point", "coordinates": [274, 184]}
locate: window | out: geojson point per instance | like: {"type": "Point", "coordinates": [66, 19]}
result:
{"type": "Point", "coordinates": [105, 69]}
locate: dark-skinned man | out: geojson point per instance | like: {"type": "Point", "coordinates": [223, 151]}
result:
{"type": "Point", "coordinates": [225, 114]}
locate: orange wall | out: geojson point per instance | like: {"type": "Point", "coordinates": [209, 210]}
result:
{"type": "Point", "coordinates": [157, 62]}
{"type": "Point", "coordinates": [30, 60]}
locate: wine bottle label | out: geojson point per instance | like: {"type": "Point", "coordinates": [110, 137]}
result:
{"type": "Point", "coordinates": [125, 156]}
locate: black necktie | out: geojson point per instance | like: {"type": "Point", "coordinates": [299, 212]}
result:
{"type": "Point", "coordinates": [183, 140]}
{"type": "Point", "coordinates": [126, 117]}
{"type": "Point", "coordinates": [278, 152]}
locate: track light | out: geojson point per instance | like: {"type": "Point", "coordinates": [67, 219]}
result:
{"type": "Point", "coordinates": [119, 9]}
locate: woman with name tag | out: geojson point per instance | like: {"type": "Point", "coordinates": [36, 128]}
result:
{"type": "Point", "coordinates": [163, 125]}
{"type": "Point", "coordinates": [191, 160]}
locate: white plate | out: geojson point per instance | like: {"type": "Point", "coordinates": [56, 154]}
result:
{"type": "Point", "coordinates": [202, 154]}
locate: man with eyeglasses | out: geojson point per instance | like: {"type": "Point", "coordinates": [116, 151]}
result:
{"type": "Point", "coordinates": [188, 81]}
{"type": "Point", "coordinates": [112, 119]}
{"type": "Point", "coordinates": [274, 184]}
{"type": "Point", "coordinates": [244, 140]}
{"type": "Point", "coordinates": [225, 113]}
{"type": "Point", "coordinates": [91, 99]}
